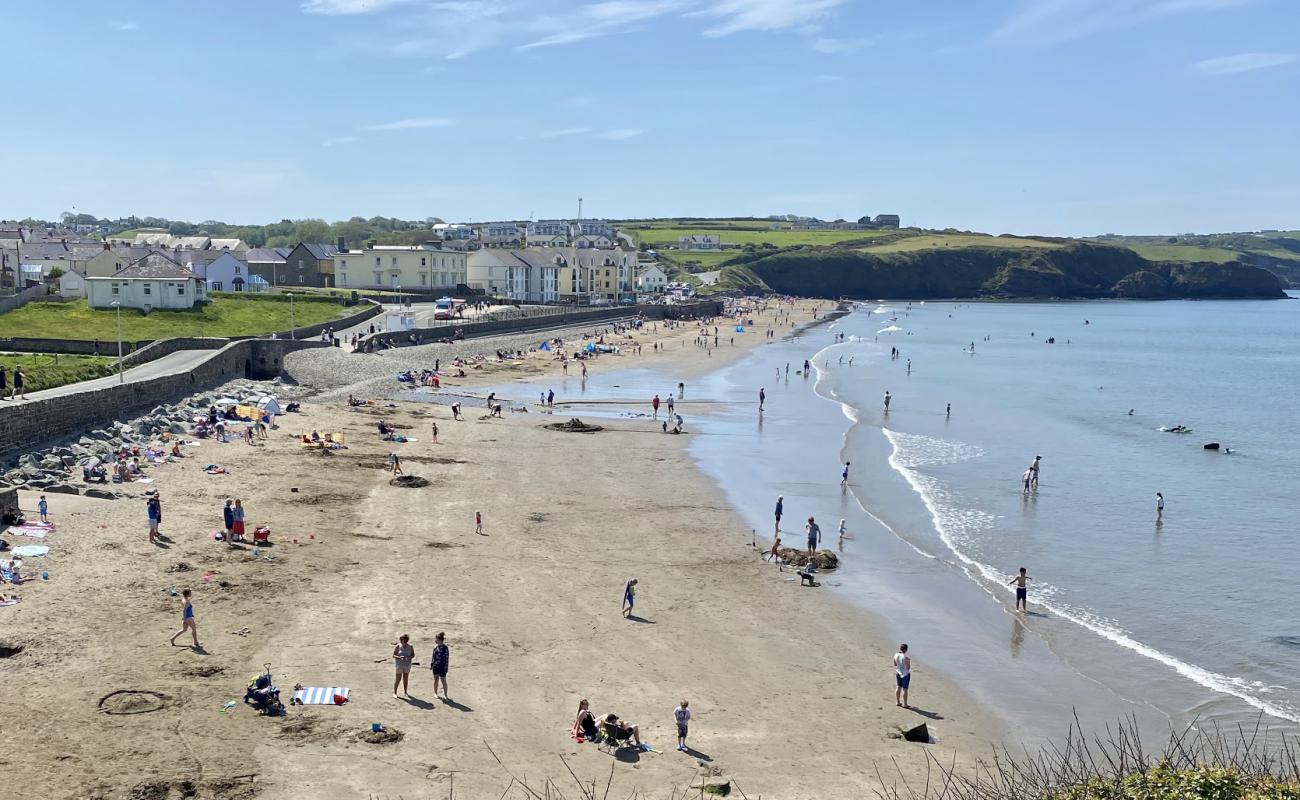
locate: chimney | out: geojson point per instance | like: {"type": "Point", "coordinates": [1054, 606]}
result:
{"type": "Point", "coordinates": [107, 246]}
{"type": "Point", "coordinates": [343, 245]}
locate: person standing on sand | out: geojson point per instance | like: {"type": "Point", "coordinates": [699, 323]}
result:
{"type": "Point", "coordinates": [153, 509]}
{"type": "Point", "coordinates": [478, 522]}
{"type": "Point", "coordinates": [654, 404]}
{"type": "Point", "coordinates": [43, 508]}
{"type": "Point", "coordinates": [762, 398]}
{"type": "Point", "coordinates": [439, 664]}
{"type": "Point", "coordinates": [403, 655]}
{"type": "Point", "coordinates": [844, 476]}
{"type": "Point", "coordinates": [228, 518]}
{"type": "Point", "coordinates": [887, 399]}
{"type": "Point", "coordinates": [629, 597]}
{"type": "Point", "coordinates": [670, 404]}
{"type": "Point", "coordinates": [682, 716]}
{"type": "Point", "coordinates": [396, 462]}
{"type": "Point", "coordinates": [780, 507]}
{"type": "Point", "coordinates": [1022, 590]}
{"type": "Point", "coordinates": [187, 620]}
{"type": "Point", "coordinates": [1160, 507]}
{"type": "Point", "coordinates": [434, 431]}
{"type": "Point", "coordinates": [550, 398]}
{"type": "Point", "coordinates": [814, 532]}
{"type": "Point", "coordinates": [902, 676]}
{"type": "Point", "coordinates": [238, 527]}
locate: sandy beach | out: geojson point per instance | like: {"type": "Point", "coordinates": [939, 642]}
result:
{"type": "Point", "coordinates": [792, 690]}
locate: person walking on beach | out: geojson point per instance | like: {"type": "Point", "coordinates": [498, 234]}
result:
{"type": "Point", "coordinates": [403, 655]}
{"type": "Point", "coordinates": [887, 398]}
{"type": "Point", "coordinates": [550, 398]}
{"type": "Point", "coordinates": [1022, 590]}
{"type": "Point", "coordinates": [187, 620]}
{"type": "Point", "coordinates": [844, 476]}
{"type": "Point", "coordinates": [439, 664]}
{"type": "Point", "coordinates": [1160, 508]}
{"type": "Point", "coordinates": [654, 404]}
{"type": "Point", "coordinates": [1034, 469]}
{"type": "Point", "coordinates": [629, 597]}
{"type": "Point", "coordinates": [762, 398]}
{"type": "Point", "coordinates": [153, 510]}
{"type": "Point", "coordinates": [780, 507]}
{"type": "Point", "coordinates": [670, 404]}
{"type": "Point", "coordinates": [396, 462]}
{"type": "Point", "coordinates": [775, 553]}
{"type": "Point", "coordinates": [682, 716]}
{"type": "Point", "coordinates": [478, 522]}
{"type": "Point", "coordinates": [434, 432]}
{"type": "Point", "coordinates": [902, 676]}
{"type": "Point", "coordinates": [814, 532]}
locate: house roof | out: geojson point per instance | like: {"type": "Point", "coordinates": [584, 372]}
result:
{"type": "Point", "coordinates": [266, 255]}
{"type": "Point", "coordinates": [319, 251]}
{"type": "Point", "coordinates": [226, 244]}
{"type": "Point", "coordinates": [154, 265]}
{"type": "Point", "coordinates": [44, 251]}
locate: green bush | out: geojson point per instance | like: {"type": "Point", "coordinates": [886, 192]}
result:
{"type": "Point", "coordinates": [1165, 782]}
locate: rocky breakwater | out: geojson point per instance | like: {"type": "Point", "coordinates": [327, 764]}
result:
{"type": "Point", "coordinates": [58, 468]}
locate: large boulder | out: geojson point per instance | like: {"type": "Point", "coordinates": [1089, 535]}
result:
{"type": "Point", "coordinates": [99, 494]}
{"type": "Point", "coordinates": [63, 488]}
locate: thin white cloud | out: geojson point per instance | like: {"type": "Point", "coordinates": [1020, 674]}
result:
{"type": "Point", "coordinates": [620, 134]}
{"type": "Point", "coordinates": [1050, 21]}
{"type": "Point", "coordinates": [339, 8]}
{"type": "Point", "coordinates": [597, 19]}
{"type": "Point", "coordinates": [410, 124]}
{"type": "Point", "coordinates": [736, 16]}
{"type": "Point", "coordinates": [562, 133]}
{"type": "Point", "coordinates": [824, 44]}
{"type": "Point", "coordinates": [338, 140]}
{"type": "Point", "coordinates": [125, 25]}
{"type": "Point", "coordinates": [1243, 62]}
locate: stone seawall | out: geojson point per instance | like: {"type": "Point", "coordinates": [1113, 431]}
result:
{"type": "Point", "coordinates": [577, 317]}
{"type": "Point", "coordinates": [30, 425]}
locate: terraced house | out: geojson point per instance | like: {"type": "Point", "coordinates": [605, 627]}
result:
{"type": "Point", "coordinates": [427, 268]}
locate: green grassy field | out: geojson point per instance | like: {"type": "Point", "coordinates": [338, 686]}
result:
{"type": "Point", "coordinates": [1182, 252]}
{"type": "Point", "coordinates": [939, 241]}
{"type": "Point", "coordinates": [222, 316]}
{"type": "Point", "coordinates": [654, 237]}
{"type": "Point", "coordinates": [46, 371]}
{"type": "Point", "coordinates": [706, 260]}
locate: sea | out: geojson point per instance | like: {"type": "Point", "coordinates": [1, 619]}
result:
{"type": "Point", "coordinates": [1188, 619]}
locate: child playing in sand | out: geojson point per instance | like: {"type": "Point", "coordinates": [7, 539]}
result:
{"type": "Point", "coordinates": [772, 554]}
{"type": "Point", "coordinates": [629, 597]}
{"type": "Point", "coordinates": [682, 716]}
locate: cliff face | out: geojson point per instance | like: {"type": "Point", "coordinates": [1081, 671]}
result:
{"type": "Point", "coordinates": [1074, 271]}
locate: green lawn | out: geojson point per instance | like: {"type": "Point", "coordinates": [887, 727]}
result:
{"type": "Point", "coordinates": [1182, 252]}
{"type": "Point", "coordinates": [222, 316]}
{"type": "Point", "coordinates": [705, 260]}
{"type": "Point", "coordinates": [780, 238]}
{"type": "Point", "coordinates": [45, 371]}
{"type": "Point", "coordinates": [939, 241]}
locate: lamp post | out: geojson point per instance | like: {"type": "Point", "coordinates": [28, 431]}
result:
{"type": "Point", "coordinates": [292, 324]}
{"type": "Point", "coordinates": [120, 377]}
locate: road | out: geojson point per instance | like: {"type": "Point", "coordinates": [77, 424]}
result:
{"type": "Point", "coordinates": [178, 362]}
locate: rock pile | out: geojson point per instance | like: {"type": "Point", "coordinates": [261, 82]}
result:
{"type": "Point", "coordinates": [824, 559]}
{"type": "Point", "coordinates": [574, 425]}
{"type": "Point", "coordinates": [55, 469]}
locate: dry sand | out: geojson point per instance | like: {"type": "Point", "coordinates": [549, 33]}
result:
{"type": "Point", "coordinates": [792, 690]}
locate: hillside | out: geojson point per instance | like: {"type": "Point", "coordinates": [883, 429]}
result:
{"type": "Point", "coordinates": [1276, 251]}
{"type": "Point", "coordinates": [964, 265]}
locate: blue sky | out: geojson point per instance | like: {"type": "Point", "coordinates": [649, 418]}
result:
{"type": "Point", "coordinates": [1026, 116]}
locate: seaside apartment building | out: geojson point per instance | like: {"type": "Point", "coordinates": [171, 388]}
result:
{"type": "Point", "coordinates": [428, 267]}
{"type": "Point", "coordinates": [501, 234]}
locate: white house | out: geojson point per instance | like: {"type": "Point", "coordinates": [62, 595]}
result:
{"type": "Point", "coordinates": [501, 234]}
{"type": "Point", "coordinates": [531, 276]}
{"type": "Point", "coordinates": [592, 240]}
{"type": "Point", "coordinates": [225, 273]}
{"type": "Point", "coordinates": [700, 241]}
{"type": "Point", "coordinates": [72, 284]}
{"type": "Point", "coordinates": [651, 279]}
{"type": "Point", "coordinates": [154, 281]}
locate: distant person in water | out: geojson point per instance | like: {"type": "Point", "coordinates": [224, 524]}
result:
{"type": "Point", "coordinates": [1022, 590]}
{"type": "Point", "coordinates": [1034, 467]}
{"type": "Point", "coordinates": [887, 398]}
{"type": "Point", "coordinates": [762, 398]}
{"type": "Point", "coordinates": [844, 476]}
{"type": "Point", "coordinates": [948, 411]}
{"type": "Point", "coordinates": [780, 507]}
{"type": "Point", "coordinates": [1160, 507]}
{"type": "Point", "coordinates": [814, 535]}
{"type": "Point", "coordinates": [1027, 478]}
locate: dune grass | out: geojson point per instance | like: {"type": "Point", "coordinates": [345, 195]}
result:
{"type": "Point", "coordinates": [221, 316]}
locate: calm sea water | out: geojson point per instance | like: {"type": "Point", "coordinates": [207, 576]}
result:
{"type": "Point", "coordinates": [1194, 614]}
{"type": "Point", "coordinates": [1188, 621]}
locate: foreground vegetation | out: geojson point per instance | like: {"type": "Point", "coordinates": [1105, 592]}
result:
{"type": "Point", "coordinates": [224, 315]}
{"type": "Point", "coordinates": [45, 370]}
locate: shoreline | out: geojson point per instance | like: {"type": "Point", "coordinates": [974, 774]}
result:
{"type": "Point", "coordinates": [530, 610]}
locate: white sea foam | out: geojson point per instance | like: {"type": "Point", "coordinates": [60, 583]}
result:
{"type": "Point", "coordinates": [890, 329]}
{"type": "Point", "coordinates": [959, 527]}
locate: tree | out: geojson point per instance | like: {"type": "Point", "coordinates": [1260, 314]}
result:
{"type": "Point", "coordinates": [54, 275]}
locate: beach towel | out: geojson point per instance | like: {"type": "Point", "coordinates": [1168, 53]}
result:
{"type": "Point", "coordinates": [143, 480]}
{"type": "Point", "coordinates": [31, 550]}
{"type": "Point", "coordinates": [318, 695]}
{"type": "Point", "coordinates": [36, 530]}
{"type": "Point", "coordinates": [13, 602]}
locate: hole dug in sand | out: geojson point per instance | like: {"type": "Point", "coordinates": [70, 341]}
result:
{"type": "Point", "coordinates": [574, 425]}
{"type": "Point", "coordinates": [10, 650]}
{"type": "Point", "coordinates": [408, 482]}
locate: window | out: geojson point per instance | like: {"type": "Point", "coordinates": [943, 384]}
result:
{"type": "Point", "coordinates": [379, 278]}
{"type": "Point", "coordinates": [422, 260]}
{"type": "Point", "coordinates": [237, 269]}
{"type": "Point", "coordinates": [302, 279]}
{"type": "Point", "coordinates": [180, 291]}
{"type": "Point", "coordinates": [148, 288]}
{"type": "Point", "coordinates": [116, 291]}
{"type": "Point", "coordinates": [394, 262]}
{"type": "Point", "coordinates": [216, 286]}
{"type": "Point", "coordinates": [424, 278]}
{"type": "Point", "coordinates": [378, 262]}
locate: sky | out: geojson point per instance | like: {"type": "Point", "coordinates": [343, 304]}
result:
{"type": "Point", "coordinates": [1061, 117]}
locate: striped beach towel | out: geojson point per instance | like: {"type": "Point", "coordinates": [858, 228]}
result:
{"type": "Point", "coordinates": [318, 695]}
